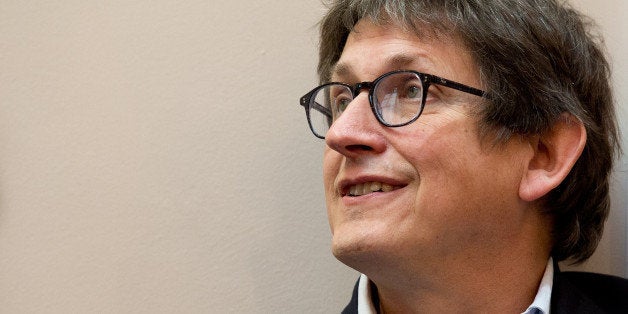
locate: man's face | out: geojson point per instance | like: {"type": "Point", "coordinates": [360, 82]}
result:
{"type": "Point", "coordinates": [446, 194]}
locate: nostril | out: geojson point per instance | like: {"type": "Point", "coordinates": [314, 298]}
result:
{"type": "Point", "coordinates": [354, 148]}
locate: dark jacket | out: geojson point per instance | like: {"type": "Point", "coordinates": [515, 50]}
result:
{"type": "Point", "coordinates": [572, 293]}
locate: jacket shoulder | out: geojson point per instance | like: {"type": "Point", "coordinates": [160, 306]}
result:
{"type": "Point", "coordinates": [608, 293]}
{"type": "Point", "coordinates": [352, 307]}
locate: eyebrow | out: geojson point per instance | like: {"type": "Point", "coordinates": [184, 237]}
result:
{"type": "Point", "coordinates": [341, 69]}
{"type": "Point", "coordinates": [397, 61]}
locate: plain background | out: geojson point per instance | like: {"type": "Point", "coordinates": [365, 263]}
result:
{"type": "Point", "coordinates": [154, 159]}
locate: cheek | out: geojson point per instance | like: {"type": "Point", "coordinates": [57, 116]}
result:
{"type": "Point", "coordinates": [469, 190]}
{"type": "Point", "coordinates": [449, 160]}
{"type": "Point", "coordinates": [331, 167]}
{"type": "Point", "coordinates": [442, 144]}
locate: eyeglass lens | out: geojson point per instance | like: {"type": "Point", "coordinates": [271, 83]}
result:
{"type": "Point", "coordinates": [397, 99]}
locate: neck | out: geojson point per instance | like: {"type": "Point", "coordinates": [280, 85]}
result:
{"type": "Point", "coordinates": [501, 282]}
{"type": "Point", "coordinates": [496, 290]}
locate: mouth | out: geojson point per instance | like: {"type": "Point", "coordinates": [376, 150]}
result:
{"type": "Point", "coordinates": [368, 188]}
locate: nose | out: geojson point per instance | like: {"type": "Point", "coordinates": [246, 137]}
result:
{"type": "Point", "coordinates": [356, 132]}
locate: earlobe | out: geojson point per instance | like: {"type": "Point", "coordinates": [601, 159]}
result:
{"type": "Point", "coordinates": [555, 153]}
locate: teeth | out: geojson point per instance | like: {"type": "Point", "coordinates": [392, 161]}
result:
{"type": "Point", "coordinates": [387, 188]}
{"type": "Point", "coordinates": [369, 187]}
{"type": "Point", "coordinates": [354, 190]}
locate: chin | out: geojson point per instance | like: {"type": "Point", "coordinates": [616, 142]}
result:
{"type": "Point", "coordinates": [354, 246]}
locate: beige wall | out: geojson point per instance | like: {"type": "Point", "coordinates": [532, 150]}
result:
{"type": "Point", "coordinates": [153, 158]}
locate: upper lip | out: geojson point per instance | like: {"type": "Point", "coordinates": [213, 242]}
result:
{"type": "Point", "coordinates": [345, 183]}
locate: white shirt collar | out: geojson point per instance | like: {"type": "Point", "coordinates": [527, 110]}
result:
{"type": "Point", "coordinates": [365, 305]}
{"type": "Point", "coordinates": [540, 305]}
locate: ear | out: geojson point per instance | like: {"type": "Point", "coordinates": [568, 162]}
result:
{"type": "Point", "coordinates": [555, 153]}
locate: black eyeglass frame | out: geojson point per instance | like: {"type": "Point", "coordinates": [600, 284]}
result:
{"type": "Point", "coordinates": [307, 101]}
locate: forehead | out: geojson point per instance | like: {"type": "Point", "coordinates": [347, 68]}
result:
{"type": "Point", "coordinates": [373, 48]}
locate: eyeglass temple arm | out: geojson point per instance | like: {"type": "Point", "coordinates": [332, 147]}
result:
{"type": "Point", "coordinates": [459, 86]}
{"type": "Point", "coordinates": [316, 106]}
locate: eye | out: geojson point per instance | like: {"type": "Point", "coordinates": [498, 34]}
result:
{"type": "Point", "coordinates": [341, 103]}
{"type": "Point", "coordinates": [413, 91]}
{"type": "Point", "coordinates": [339, 98]}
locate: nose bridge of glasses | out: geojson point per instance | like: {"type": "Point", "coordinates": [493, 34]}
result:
{"type": "Point", "coordinates": [357, 89]}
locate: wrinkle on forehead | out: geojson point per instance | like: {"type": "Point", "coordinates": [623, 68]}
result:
{"type": "Point", "coordinates": [409, 51]}
{"type": "Point", "coordinates": [426, 33]}
{"type": "Point", "coordinates": [401, 60]}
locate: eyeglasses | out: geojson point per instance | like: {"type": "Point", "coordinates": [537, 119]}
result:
{"type": "Point", "coordinates": [397, 98]}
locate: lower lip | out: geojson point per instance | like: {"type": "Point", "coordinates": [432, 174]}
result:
{"type": "Point", "coordinates": [376, 197]}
